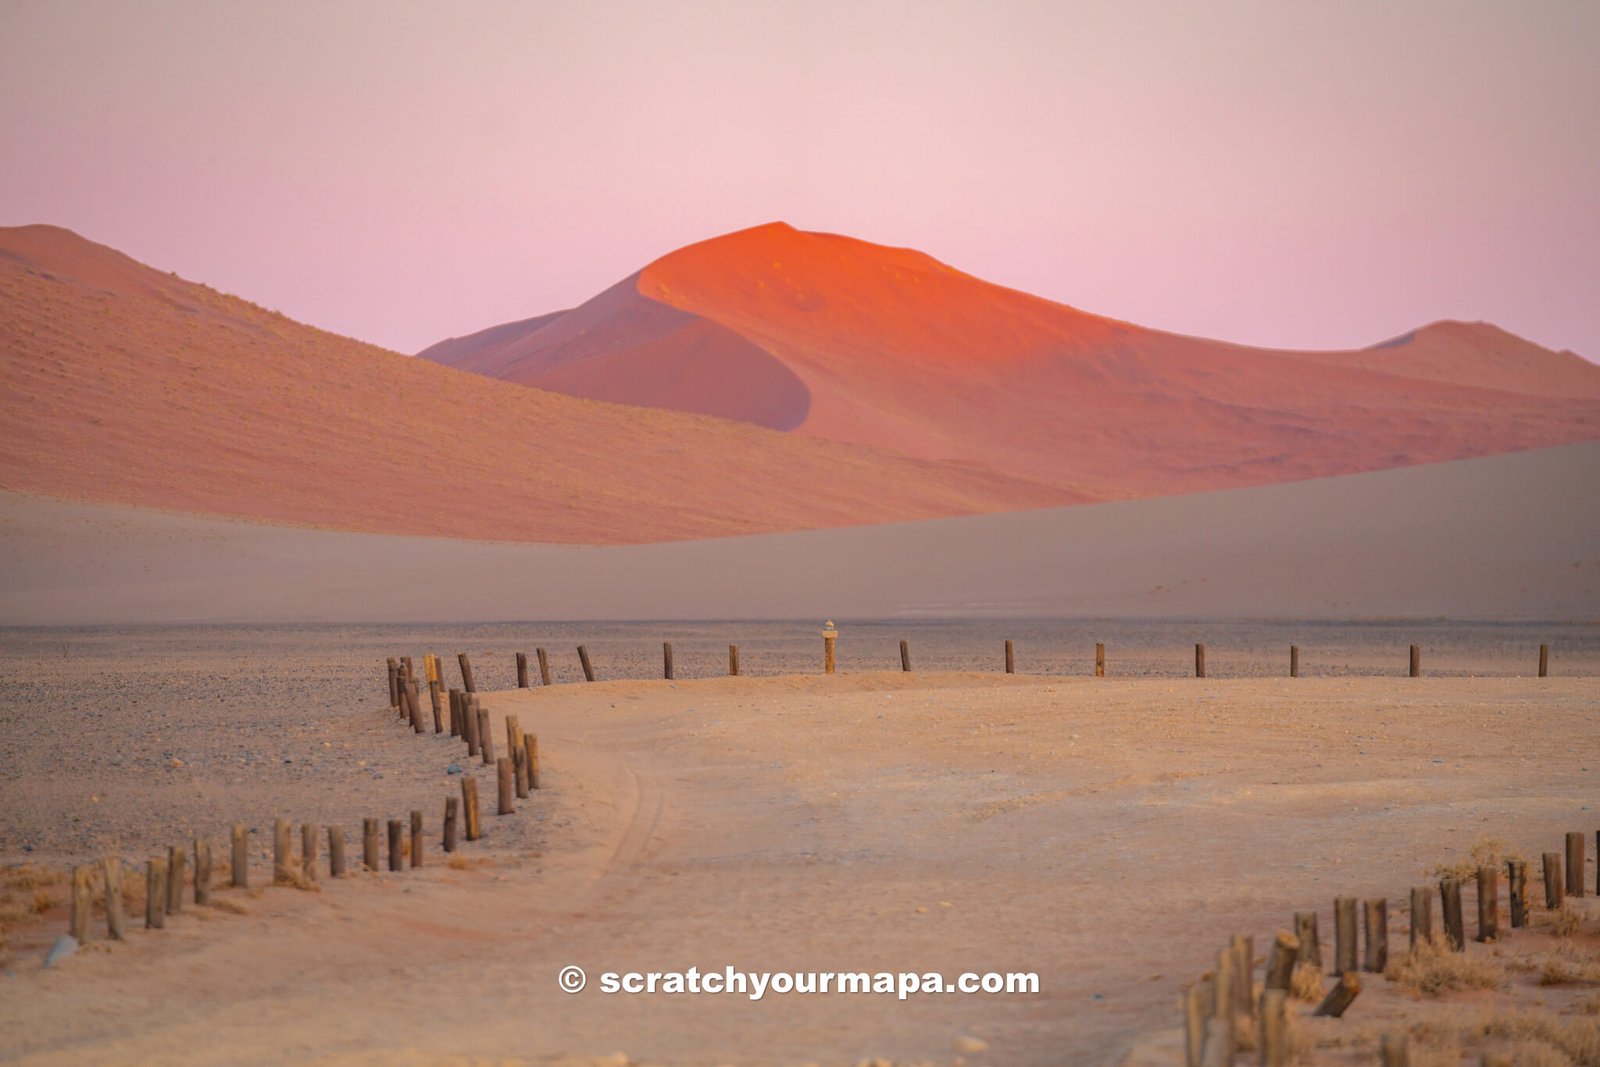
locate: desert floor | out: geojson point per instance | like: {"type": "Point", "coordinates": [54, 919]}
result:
{"type": "Point", "coordinates": [1106, 834]}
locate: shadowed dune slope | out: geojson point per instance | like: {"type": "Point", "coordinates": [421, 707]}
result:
{"type": "Point", "coordinates": [130, 386]}
{"type": "Point", "coordinates": [897, 350]}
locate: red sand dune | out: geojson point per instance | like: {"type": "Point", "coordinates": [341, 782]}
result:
{"type": "Point", "coordinates": [127, 385]}
{"type": "Point", "coordinates": [836, 338]}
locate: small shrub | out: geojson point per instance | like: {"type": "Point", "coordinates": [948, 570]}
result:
{"type": "Point", "coordinates": [1434, 967]}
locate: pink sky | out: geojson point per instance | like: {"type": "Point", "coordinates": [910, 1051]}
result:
{"type": "Point", "coordinates": [1314, 175]}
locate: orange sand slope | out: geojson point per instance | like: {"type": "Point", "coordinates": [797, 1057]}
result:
{"type": "Point", "coordinates": [1500, 537]}
{"type": "Point", "coordinates": [840, 339]}
{"type": "Point", "coordinates": [129, 386]}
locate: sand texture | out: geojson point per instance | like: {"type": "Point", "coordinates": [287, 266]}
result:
{"type": "Point", "coordinates": [1107, 834]}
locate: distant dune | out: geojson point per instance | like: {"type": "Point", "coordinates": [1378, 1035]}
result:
{"type": "Point", "coordinates": [1503, 537]}
{"type": "Point", "coordinates": [130, 386]}
{"type": "Point", "coordinates": [836, 338]}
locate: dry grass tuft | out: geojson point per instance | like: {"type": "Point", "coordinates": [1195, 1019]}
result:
{"type": "Point", "coordinates": [1539, 1054]}
{"type": "Point", "coordinates": [30, 876]}
{"type": "Point", "coordinates": [1305, 983]}
{"type": "Point", "coordinates": [1577, 1039]}
{"type": "Point", "coordinates": [1435, 968]}
{"type": "Point", "coordinates": [230, 905]}
{"type": "Point", "coordinates": [1563, 922]}
{"type": "Point", "coordinates": [1485, 852]}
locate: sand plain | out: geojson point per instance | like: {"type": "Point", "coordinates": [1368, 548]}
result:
{"type": "Point", "coordinates": [1106, 834]}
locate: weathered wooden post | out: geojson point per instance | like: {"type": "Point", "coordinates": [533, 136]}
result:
{"type": "Point", "coordinates": [452, 810]}
{"type": "Point", "coordinates": [1305, 928]}
{"type": "Point", "coordinates": [394, 685]}
{"type": "Point", "coordinates": [466, 672]}
{"type": "Point", "coordinates": [416, 839]}
{"type": "Point", "coordinates": [1341, 996]}
{"type": "Point", "coordinates": [666, 661]}
{"type": "Point", "coordinates": [241, 856]}
{"type": "Point", "coordinates": [1544, 661]}
{"type": "Point", "coordinates": [469, 807]}
{"type": "Point", "coordinates": [1394, 1049]}
{"type": "Point", "coordinates": [1275, 1028]}
{"type": "Point", "coordinates": [1220, 1039]}
{"type": "Point", "coordinates": [78, 921]}
{"type": "Point", "coordinates": [397, 845]}
{"type": "Point", "coordinates": [308, 850]}
{"type": "Point", "coordinates": [416, 704]}
{"type": "Point", "coordinates": [469, 724]}
{"type": "Point", "coordinates": [202, 871]}
{"type": "Point", "coordinates": [829, 636]}
{"type": "Point", "coordinates": [454, 708]}
{"type": "Point", "coordinates": [155, 898]}
{"type": "Point", "coordinates": [1416, 661]}
{"type": "Point", "coordinates": [905, 655]}
{"type": "Point", "coordinates": [1199, 660]}
{"type": "Point", "coordinates": [1376, 914]}
{"type": "Point", "coordinates": [522, 670]}
{"type": "Point", "coordinates": [518, 754]}
{"type": "Point", "coordinates": [369, 844]}
{"type": "Point", "coordinates": [1280, 965]}
{"type": "Point", "coordinates": [438, 712]}
{"type": "Point", "coordinates": [1574, 864]}
{"type": "Point", "coordinates": [336, 863]}
{"type": "Point", "coordinates": [280, 851]}
{"type": "Point", "coordinates": [503, 775]}
{"type": "Point", "coordinates": [1517, 890]}
{"type": "Point", "coordinates": [1294, 661]}
{"type": "Point", "coordinates": [530, 743]}
{"type": "Point", "coordinates": [1553, 885]}
{"type": "Point", "coordinates": [1099, 659]}
{"type": "Point", "coordinates": [733, 661]}
{"type": "Point", "coordinates": [485, 736]}
{"type": "Point", "coordinates": [544, 666]}
{"type": "Point", "coordinates": [177, 860]}
{"type": "Point", "coordinates": [1344, 934]}
{"type": "Point", "coordinates": [1011, 657]}
{"type": "Point", "coordinates": [1194, 1025]}
{"type": "Point", "coordinates": [1244, 954]}
{"type": "Point", "coordinates": [1454, 925]}
{"type": "Point", "coordinates": [588, 667]}
{"type": "Point", "coordinates": [1488, 904]}
{"type": "Point", "coordinates": [113, 872]}
{"type": "Point", "coordinates": [1421, 916]}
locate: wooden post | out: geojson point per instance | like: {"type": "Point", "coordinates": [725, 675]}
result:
{"type": "Point", "coordinates": [410, 668]}
{"type": "Point", "coordinates": [113, 872]}
{"type": "Point", "coordinates": [508, 790]}
{"type": "Point", "coordinates": [397, 845]}
{"type": "Point", "coordinates": [1344, 935]}
{"type": "Point", "coordinates": [1488, 904]}
{"type": "Point", "coordinates": [1416, 661]}
{"type": "Point", "coordinates": [369, 844]}
{"type": "Point", "coordinates": [1574, 864]}
{"type": "Point", "coordinates": [733, 661]}
{"type": "Point", "coordinates": [1544, 661]}
{"type": "Point", "coordinates": [1280, 965]}
{"type": "Point", "coordinates": [438, 712]}
{"type": "Point", "coordinates": [1454, 925]}
{"type": "Point", "coordinates": [202, 871]}
{"type": "Point", "coordinates": [522, 670]}
{"type": "Point", "coordinates": [1275, 1028]}
{"type": "Point", "coordinates": [1011, 657]}
{"type": "Point", "coordinates": [335, 851]}
{"type": "Point", "coordinates": [1199, 661]}
{"type": "Point", "coordinates": [308, 850]}
{"type": "Point", "coordinates": [530, 743]}
{"type": "Point", "coordinates": [1553, 886]}
{"type": "Point", "coordinates": [155, 894]}
{"type": "Point", "coordinates": [78, 922]}
{"type": "Point", "coordinates": [1394, 1049]}
{"type": "Point", "coordinates": [544, 666]}
{"type": "Point", "coordinates": [1305, 928]}
{"type": "Point", "coordinates": [1220, 1026]}
{"type": "Point", "coordinates": [280, 851]}
{"type": "Point", "coordinates": [828, 658]}
{"type": "Point", "coordinates": [1244, 953]}
{"type": "Point", "coordinates": [394, 687]}
{"type": "Point", "coordinates": [1597, 862]}
{"type": "Point", "coordinates": [519, 770]}
{"type": "Point", "coordinates": [1376, 914]}
{"type": "Point", "coordinates": [1421, 916]}
{"type": "Point", "coordinates": [1099, 659]}
{"type": "Point", "coordinates": [416, 704]}
{"type": "Point", "coordinates": [905, 655]}
{"type": "Point", "coordinates": [177, 860]}
{"type": "Point", "coordinates": [583, 658]}
{"type": "Point", "coordinates": [1194, 1025]}
{"type": "Point", "coordinates": [466, 672]}
{"type": "Point", "coordinates": [666, 661]}
{"type": "Point", "coordinates": [1340, 996]}
{"type": "Point", "coordinates": [469, 724]}
{"type": "Point", "coordinates": [453, 707]}
{"type": "Point", "coordinates": [1294, 661]}
{"type": "Point", "coordinates": [469, 807]}
{"type": "Point", "coordinates": [485, 738]}
{"type": "Point", "coordinates": [241, 856]}
{"type": "Point", "coordinates": [1517, 890]}
{"type": "Point", "coordinates": [416, 839]}
{"type": "Point", "coordinates": [452, 814]}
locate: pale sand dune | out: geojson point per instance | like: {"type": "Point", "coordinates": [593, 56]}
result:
{"type": "Point", "coordinates": [1105, 834]}
{"type": "Point", "coordinates": [1511, 536]}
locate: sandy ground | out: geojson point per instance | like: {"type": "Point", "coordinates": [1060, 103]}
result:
{"type": "Point", "coordinates": [1105, 834]}
{"type": "Point", "coordinates": [1501, 537]}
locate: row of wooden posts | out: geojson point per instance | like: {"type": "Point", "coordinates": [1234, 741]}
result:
{"type": "Point", "coordinates": [829, 665]}
{"type": "Point", "coordinates": [1211, 1015]}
